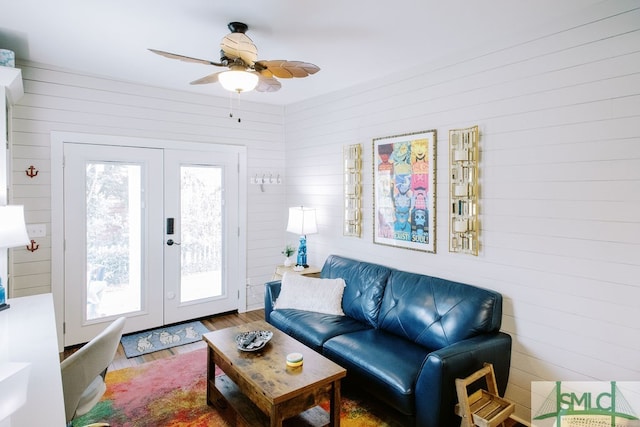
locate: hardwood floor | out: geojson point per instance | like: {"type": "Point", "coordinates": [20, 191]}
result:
{"type": "Point", "coordinates": [213, 323]}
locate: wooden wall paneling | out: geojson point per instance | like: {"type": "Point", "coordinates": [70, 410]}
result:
{"type": "Point", "coordinates": [558, 116]}
{"type": "Point", "coordinates": [70, 101]}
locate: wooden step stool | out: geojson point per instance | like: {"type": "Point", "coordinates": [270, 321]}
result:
{"type": "Point", "coordinates": [483, 408]}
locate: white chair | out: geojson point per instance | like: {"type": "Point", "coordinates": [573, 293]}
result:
{"type": "Point", "coordinates": [83, 372]}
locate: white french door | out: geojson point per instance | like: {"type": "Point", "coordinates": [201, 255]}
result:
{"type": "Point", "coordinates": [150, 233]}
{"type": "Point", "coordinates": [201, 224]}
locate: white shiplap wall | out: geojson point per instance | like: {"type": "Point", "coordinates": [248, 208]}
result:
{"type": "Point", "coordinates": [559, 117]}
{"type": "Point", "coordinates": [559, 113]}
{"type": "Point", "coordinates": [70, 101]}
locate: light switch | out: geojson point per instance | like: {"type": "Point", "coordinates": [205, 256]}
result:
{"type": "Point", "coordinates": [36, 230]}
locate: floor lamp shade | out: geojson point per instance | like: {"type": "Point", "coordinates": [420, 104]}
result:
{"type": "Point", "coordinates": [302, 221]}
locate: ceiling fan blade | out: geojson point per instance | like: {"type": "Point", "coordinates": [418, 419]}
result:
{"type": "Point", "coordinates": [263, 71]}
{"type": "Point", "coordinates": [267, 84]}
{"type": "Point", "coordinates": [288, 69]}
{"type": "Point", "coordinates": [239, 45]}
{"type": "Point", "coordinates": [211, 78]}
{"type": "Point", "coordinates": [185, 58]}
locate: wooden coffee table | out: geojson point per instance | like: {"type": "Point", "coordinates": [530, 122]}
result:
{"type": "Point", "coordinates": [260, 389]}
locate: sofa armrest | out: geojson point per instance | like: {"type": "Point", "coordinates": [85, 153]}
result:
{"type": "Point", "coordinates": [435, 387]}
{"type": "Point", "coordinates": [271, 292]}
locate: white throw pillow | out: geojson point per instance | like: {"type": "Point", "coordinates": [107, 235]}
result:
{"type": "Point", "coordinates": [310, 294]}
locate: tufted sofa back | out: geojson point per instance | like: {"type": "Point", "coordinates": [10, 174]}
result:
{"type": "Point", "coordinates": [365, 284]}
{"type": "Point", "coordinates": [436, 312]}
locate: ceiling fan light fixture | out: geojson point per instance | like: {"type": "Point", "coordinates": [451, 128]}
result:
{"type": "Point", "coordinates": [238, 80]}
{"type": "Point", "coordinates": [246, 72]}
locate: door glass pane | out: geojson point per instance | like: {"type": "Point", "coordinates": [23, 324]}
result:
{"type": "Point", "coordinates": [114, 235]}
{"type": "Point", "coordinates": [201, 232]}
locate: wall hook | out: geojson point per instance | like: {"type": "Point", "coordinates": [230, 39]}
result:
{"type": "Point", "coordinates": [265, 178]}
{"type": "Point", "coordinates": [31, 171]}
{"type": "Point", "coordinates": [33, 246]}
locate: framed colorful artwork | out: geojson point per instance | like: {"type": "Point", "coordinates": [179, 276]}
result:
{"type": "Point", "coordinates": [404, 191]}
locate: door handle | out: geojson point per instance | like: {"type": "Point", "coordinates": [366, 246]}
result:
{"type": "Point", "coordinates": [170, 242]}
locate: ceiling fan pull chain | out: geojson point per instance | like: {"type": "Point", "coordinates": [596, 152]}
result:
{"type": "Point", "coordinates": [238, 98]}
{"type": "Point", "coordinates": [231, 105]}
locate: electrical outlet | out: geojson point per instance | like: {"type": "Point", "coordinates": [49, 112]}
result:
{"type": "Point", "coordinates": [37, 230]}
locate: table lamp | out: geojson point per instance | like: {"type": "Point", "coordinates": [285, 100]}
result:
{"type": "Point", "coordinates": [13, 232]}
{"type": "Point", "coordinates": [302, 221]}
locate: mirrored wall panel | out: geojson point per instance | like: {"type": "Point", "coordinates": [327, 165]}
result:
{"type": "Point", "coordinates": [463, 190]}
{"type": "Point", "coordinates": [352, 155]}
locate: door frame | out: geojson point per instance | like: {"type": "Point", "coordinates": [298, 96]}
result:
{"type": "Point", "coordinates": [58, 139]}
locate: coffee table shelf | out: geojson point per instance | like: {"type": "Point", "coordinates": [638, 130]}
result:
{"type": "Point", "coordinates": [238, 410]}
{"type": "Point", "coordinates": [258, 388]}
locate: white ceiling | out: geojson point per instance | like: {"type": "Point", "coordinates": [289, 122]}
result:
{"type": "Point", "coordinates": [352, 41]}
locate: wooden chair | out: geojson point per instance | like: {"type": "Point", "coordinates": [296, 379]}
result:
{"type": "Point", "coordinates": [484, 408]}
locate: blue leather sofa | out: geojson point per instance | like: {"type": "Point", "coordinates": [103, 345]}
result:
{"type": "Point", "coordinates": [405, 337]}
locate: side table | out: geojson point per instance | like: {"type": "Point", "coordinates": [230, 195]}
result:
{"type": "Point", "coordinates": [310, 271]}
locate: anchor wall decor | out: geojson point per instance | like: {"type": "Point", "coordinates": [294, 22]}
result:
{"type": "Point", "coordinates": [31, 171]}
{"type": "Point", "coordinates": [33, 246]}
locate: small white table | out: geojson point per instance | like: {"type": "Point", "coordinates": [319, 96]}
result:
{"type": "Point", "coordinates": [28, 334]}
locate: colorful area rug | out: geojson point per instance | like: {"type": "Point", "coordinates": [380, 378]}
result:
{"type": "Point", "coordinates": [162, 338]}
{"type": "Point", "coordinates": [171, 393]}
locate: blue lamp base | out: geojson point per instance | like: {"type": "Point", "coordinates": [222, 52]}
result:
{"type": "Point", "coordinates": [3, 297]}
{"type": "Point", "coordinates": [302, 253]}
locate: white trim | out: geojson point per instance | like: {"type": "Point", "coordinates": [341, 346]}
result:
{"type": "Point", "coordinates": [57, 204]}
{"type": "Point", "coordinates": [4, 175]}
{"type": "Point", "coordinates": [520, 420]}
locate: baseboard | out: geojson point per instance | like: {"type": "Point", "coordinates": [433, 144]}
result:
{"type": "Point", "coordinates": [520, 420]}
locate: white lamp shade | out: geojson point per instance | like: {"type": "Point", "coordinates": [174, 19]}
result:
{"type": "Point", "coordinates": [302, 221]}
{"type": "Point", "coordinates": [13, 231]}
{"type": "Point", "coordinates": [238, 80]}
{"type": "Point", "coordinates": [14, 378]}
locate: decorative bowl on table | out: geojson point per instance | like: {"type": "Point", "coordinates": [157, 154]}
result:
{"type": "Point", "coordinates": [253, 340]}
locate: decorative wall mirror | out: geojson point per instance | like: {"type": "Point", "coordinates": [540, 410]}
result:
{"type": "Point", "coordinates": [352, 190]}
{"type": "Point", "coordinates": [463, 190]}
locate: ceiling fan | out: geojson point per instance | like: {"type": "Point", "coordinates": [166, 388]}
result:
{"type": "Point", "coordinates": [246, 72]}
